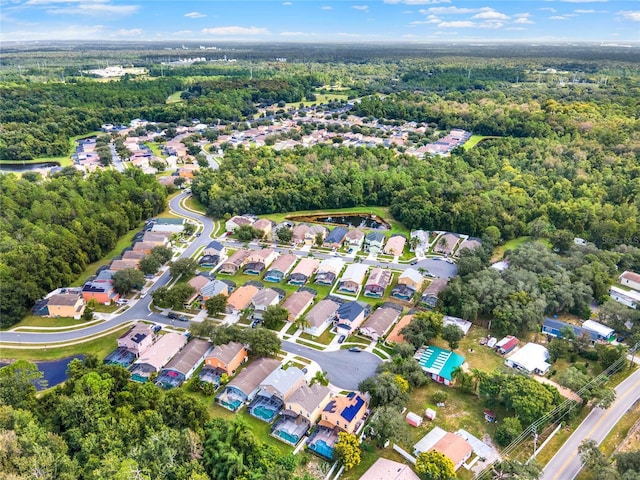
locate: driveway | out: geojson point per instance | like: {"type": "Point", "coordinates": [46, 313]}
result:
{"type": "Point", "coordinates": [439, 267]}
{"type": "Point", "coordinates": [344, 369]}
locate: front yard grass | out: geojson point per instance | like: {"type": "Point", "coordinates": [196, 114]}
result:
{"type": "Point", "coordinates": [476, 355]}
{"type": "Point", "coordinates": [325, 338]}
{"type": "Point", "coordinates": [37, 321]}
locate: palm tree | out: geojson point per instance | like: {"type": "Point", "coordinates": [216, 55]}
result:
{"type": "Point", "coordinates": [321, 378]}
{"type": "Point", "coordinates": [479, 377]}
{"type": "Point", "coordinates": [302, 322]}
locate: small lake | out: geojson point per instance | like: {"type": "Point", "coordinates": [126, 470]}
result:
{"type": "Point", "coordinates": [25, 167]}
{"type": "Point", "coordinates": [55, 371]}
{"type": "Point", "coordinates": [353, 220]}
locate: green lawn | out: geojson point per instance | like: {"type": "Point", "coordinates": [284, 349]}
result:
{"type": "Point", "coordinates": [476, 355]}
{"type": "Point", "coordinates": [194, 204]}
{"type": "Point", "coordinates": [155, 149]}
{"type": "Point", "coordinates": [99, 347]}
{"type": "Point", "coordinates": [175, 98]}
{"type": "Point", "coordinates": [37, 321]}
{"type": "Point", "coordinates": [325, 338]}
{"type": "Point", "coordinates": [476, 139]}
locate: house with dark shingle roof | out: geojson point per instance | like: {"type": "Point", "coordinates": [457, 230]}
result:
{"type": "Point", "coordinates": [350, 316]}
{"type": "Point", "coordinates": [336, 237]}
{"type": "Point", "coordinates": [245, 385]}
{"type": "Point", "coordinates": [373, 242]}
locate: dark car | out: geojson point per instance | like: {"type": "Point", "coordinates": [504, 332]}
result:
{"type": "Point", "coordinates": [157, 328]}
{"type": "Point", "coordinates": [172, 316]}
{"type": "Point", "coordinates": [355, 349]}
{"type": "Point", "coordinates": [342, 338]}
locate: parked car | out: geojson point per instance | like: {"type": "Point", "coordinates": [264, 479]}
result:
{"type": "Point", "coordinates": [157, 328]}
{"type": "Point", "coordinates": [172, 316]}
{"type": "Point", "coordinates": [355, 349]}
{"type": "Point", "coordinates": [342, 338]}
{"type": "Point", "coordinates": [183, 318]}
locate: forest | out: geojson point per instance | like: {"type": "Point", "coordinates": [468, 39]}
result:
{"type": "Point", "coordinates": [51, 230]}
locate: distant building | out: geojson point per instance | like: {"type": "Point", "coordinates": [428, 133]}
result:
{"type": "Point", "coordinates": [630, 298]}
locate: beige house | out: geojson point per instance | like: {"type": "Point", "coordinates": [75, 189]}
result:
{"type": "Point", "coordinates": [264, 225]}
{"type": "Point", "coordinates": [237, 221]}
{"type": "Point", "coordinates": [234, 262]}
{"type": "Point", "coordinates": [157, 356]}
{"type": "Point", "coordinates": [395, 245]}
{"type": "Point", "coordinates": [385, 469]}
{"type": "Point", "coordinates": [198, 283]}
{"type": "Point", "coordinates": [227, 357]}
{"type": "Point", "coordinates": [303, 271]}
{"type": "Point", "coordinates": [65, 305]}
{"type": "Point", "coordinates": [241, 298]}
{"type": "Point", "coordinates": [263, 300]}
{"type": "Point", "coordinates": [446, 243]}
{"type": "Point", "coordinates": [353, 278]}
{"type": "Point", "coordinates": [630, 279]}
{"type": "Point", "coordinates": [378, 281]}
{"type": "Point", "coordinates": [299, 233]}
{"type": "Point", "coordinates": [258, 260]}
{"type": "Point", "coordinates": [122, 264]}
{"type": "Point", "coordinates": [280, 267]}
{"type": "Point", "coordinates": [321, 316]}
{"type": "Point", "coordinates": [137, 339]}
{"type": "Point", "coordinates": [297, 304]}
{"type": "Point", "coordinates": [354, 238]}
{"type": "Point", "coordinates": [313, 231]}
{"type": "Point", "coordinates": [379, 322]}
{"type": "Point", "coordinates": [308, 401]}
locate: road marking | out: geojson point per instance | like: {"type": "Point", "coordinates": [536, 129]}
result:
{"type": "Point", "coordinates": [150, 313]}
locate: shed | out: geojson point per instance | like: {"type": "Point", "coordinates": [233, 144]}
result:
{"type": "Point", "coordinates": [414, 419]}
{"type": "Point", "coordinates": [430, 414]}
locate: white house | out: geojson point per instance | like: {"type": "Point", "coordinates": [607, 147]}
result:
{"type": "Point", "coordinates": [630, 298]}
{"type": "Point", "coordinates": [532, 358]}
{"type": "Point", "coordinates": [630, 279]}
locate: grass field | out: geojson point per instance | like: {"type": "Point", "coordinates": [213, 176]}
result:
{"type": "Point", "coordinates": [99, 347]}
{"type": "Point", "coordinates": [175, 98]}
{"type": "Point", "coordinates": [36, 321]}
{"type": "Point", "coordinates": [194, 204]}
{"type": "Point", "coordinates": [476, 139]}
{"type": "Point", "coordinates": [155, 149]}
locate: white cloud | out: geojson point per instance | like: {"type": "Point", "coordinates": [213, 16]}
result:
{"type": "Point", "coordinates": [326, 7]}
{"type": "Point", "coordinates": [491, 15]}
{"type": "Point", "coordinates": [559, 17]}
{"type": "Point", "coordinates": [523, 18]}
{"type": "Point", "coordinates": [134, 32]}
{"type": "Point", "coordinates": [286, 4]}
{"type": "Point", "coordinates": [194, 15]}
{"type": "Point", "coordinates": [292, 34]}
{"type": "Point", "coordinates": [453, 10]}
{"type": "Point", "coordinates": [235, 30]}
{"type": "Point", "coordinates": [584, 11]}
{"type": "Point", "coordinates": [95, 9]}
{"type": "Point", "coordinates": [362, 8]}
{"type": "Point", "coordinates": [417, 2]}
{"type": "Point", "coordinates": [458, 24]}
{"type": "Point", "coordinates": [634, 16]}
{"type": "Point", "coordinates": [548, 9]}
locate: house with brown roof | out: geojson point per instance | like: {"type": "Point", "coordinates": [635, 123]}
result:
{"type": "Point", "coordinates": [395, 245]}
{"type": "Point", "coordinates": [303, 271]}
{"type": "Point", "coordinates": [198, 283]}
{"type": "Point", "coordinates": [446, 243]}
{"type": "Point", "coordinates": [237, 221]}
{"type": "Point", "coordinates": [379, 279]}
{"type": "Point", "coordinates": [65, 305]}
{"type": "Point", "coordinates": [137, 339]}
{"type": "Point", "coordinates": [145, 247]}
{"type": "Point", "coordinates": [299, 234]}
{"type": "Point", "coordinates": [430, 295]}
{"type": "Point", "coordinates": [131, 255]}
{"type": "Point", "coordinates": [395, 336]}
{"type": "Point", "coordinates": [353, 278]}
{"type": "Point", "coordinates": [385, 469]}
{"type": "Point", "coordinates": [312, 233]}
{"type": "Point", "coordinates": [355, 238]}
{"type": "Point", "coordinates": [263, 300]}
{"type": "Point", "coordinates": [280, 267]}
{"type": "Point", "coordinates": [243, 388]}
{"type": "Point", "coordinates": [297, 304]}
{"type": "Point", "coordinates": [159, 238]}
{"type": "Point", "coordinates": [630, 279]}
{"type": "Point", "coordinates": [227, 357]}
{"type": "Point", "coordinates": [264, 225]}
{"type": "Point", "coordinates": [451, 445]}
{"type": "Point", "coordinates": [157, 356]}
{"type": "Point", "coordinates": [258, 260]}
{"type": "Point", "coordinates": [321, 316]}
{"type": "Point", "coordinates": [184, 364]}
{"type": "Point", "coordinates": [379, 322]}
{"type": "Point", "coordinates": [302, 409]}
{"type": "Point", "coordinates": [468, 244]}
{"type": "Point", "coordinates": [234, 262]}
{"type": "Point", "coordinates": [123, 264]}
{"type": "Point", "coordinates": [409, 282]}
{"type": "Point", "coordinates": [241, 298]}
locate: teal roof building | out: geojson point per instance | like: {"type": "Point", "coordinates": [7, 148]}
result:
{"type": "Point", "coordinates": [439, 364]}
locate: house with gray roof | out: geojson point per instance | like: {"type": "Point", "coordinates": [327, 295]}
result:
{"type": "Point", "coordinates": [245, 385]}
{"type": "Point", "coordinates": [301, 410]}
{"type": "Point", "coordinates": [184, 364]}
{"type": "Point", "coordinates": [274, 391]}
{"type": "Point", "coordinates": [374, 242]}
{"type": "Point", "coordinates": [430, 295]}
{"type": "Point", "coordinates": [336, 237]}
{"type": "Point", "coordinates": [263, 300]}
{"type": "Point", "coordinates": [321, 316]}
{"type": "Point", "coordinates": [379, 322]}
{"type": "Point", "coordinates": [350, 316]}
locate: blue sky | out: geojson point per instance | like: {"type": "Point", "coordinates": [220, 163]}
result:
{"type": "Point", "coordinates": [341, 21]}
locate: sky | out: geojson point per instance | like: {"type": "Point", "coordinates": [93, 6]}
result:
{"type": "Point", "coordinates": [343, 21]}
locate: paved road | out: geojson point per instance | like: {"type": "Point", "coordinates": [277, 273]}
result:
{"type": "Point", "coordinates": [344, 369]}
{"type": "Point", "coordinates": [115, 158]}
{"type": "Point", "coordinates": [566, 464]}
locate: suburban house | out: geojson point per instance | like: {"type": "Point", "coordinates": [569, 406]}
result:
{"type": "Point", "coordinates": [100, 289]}
{"type": "Point", "coordinates": [430, 295]}
{"type": "Point", "coordinates": [394, 335]}
{"type": "Point", "coordinates": [137, 339]}
{"type": "Point", "coordinates": [214, 288]}
{"type": "Point", "coordinates": [237, 221]}
{"type": "Point", "coordinates": [214, 248]}
{"type": "Point", "coordinates": [184, 364]}
{"type": "Point", "coordinates": [297, 304]}
{"type": "Point", "coordinates": [378, 281]}
{"type": "Point", "coordinates": [355, 238]}
{"type": "Point", "coordinates": [336, 237]}
{"type": "Point", "coordinates": [630, 279]}
{"type": "Point", "coordinates": [258, 260]}
{"type": "Point", "coordinates": [630, 298]}
{"type": "Point", "coordinates": [302, 409]}
{"type": "Point", "coordinates": [117, 265]}
{"type": "Point", "coordinates": [264, 225]}
{"type": "Point", "coordinates": [299, 234]}
{"type": "Point", "coordinates": [385, 469]}
{"type": "Point", "coordinates": [65, 305]}
{"type": "Point", "coordinates": [593, 330]}
{"type": "Point", "coordinates": [451, 445]}
{"type": "Point", "coordinates": [171, 225]}
{"type": "Point", "coordinates": [349, 316]}
{"type": "Point", "coordinates": [131, 255]}
{"type": "Point", "coordinates": [469, 244]}
{"type": "Point", "coordinates": [280, 267]}
{"type": "Point", "coordinates": [144, 247]}
{"type": "Point", "coordinates": [232, 264]}
{"type": "Point", "coordinates": [157, 356]}
{"type": "Point", "coordinates": [341, 414]}
{"type": "Point", "coordinates": [241, 298]}
{"type": "Point", "coordinates": [328, 271]}
{"type": "Point", "coordinates": [446, 243]}
{"type": "Point", "coordinates": [312, 233]}
{"type": "Point", "coordinates": [209, 260]}
{"type": "Point", "coordinates": [373, 242]}
{"type": "Point", "coordinates": [409, 282]}
{"type": "Point", "coordinates": [531, 358]}
{"type": "Point", "coordinates": [462, 324]}
{"type": "Point", "coordinates": [352, 278]}
{"type": "Point", "coordinates": [303, 271]}
{"type": "Point", "coordinates": [227, 357]}
{"type": "Point", "coordinates": [395, 245]}
{"type": "Point", "coordinates": [507, 344]}
{"type": "Point", "coordinates": [379, 322]}
{"type": "Point", "coordinates": [604, 333]}
{"type": "Point", "coordinates": [262, 300]}
{"type": "Point", "coordinates": [321, 316]}
{"type": "Point", "coordinates": [439, 364]}
{"type": "Point", "coordinates": [244, 386]}
{"type": "Point", "coordinates": [421, 243]}
{"type": "Point", "coordinates": [197, 282]}
{"type": "Point", "coordinates": [274, 232]}
{"type": "Point", "coordinates": [274, 391]}
{"type": "Point", "coordinates": [159, 238]}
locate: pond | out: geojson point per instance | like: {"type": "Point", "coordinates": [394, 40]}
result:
{"type": "Point", "coordinates": [355, 220]}
{"type": "Point", "coordinates": [55, 371]}
{"type": "Point", "coordinates": [20, 167]}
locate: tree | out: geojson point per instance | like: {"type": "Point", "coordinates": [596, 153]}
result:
{"type": "Point", "coordinates": [183, 266]}
{"type": "Point", "coordinates": [591, 456]}
{"type": "Point", "coordinates": [608, 355]}
{"type": "Point", "coordinates": [274, 315]}
{"type": "Point", "coordinates": [189, 229]}
{"type": "Point", "coordinates": [423, 327]}
{"type": "Point", "coordinates": [562, 240]}
{"type": "Point", "coordinates": [246, 233]}
{"type": "Point", "coordinates": [321, 378]}
{"type": "Point", "coordinates": [514, 470]}
{"type": "Point", "coordinates": [150, 264]}
{"type": "Point", "coordinates": [440, 396]}
{"type": "Point", "coordinates": [434, 465]}
{"type": "Point", "coordinates": [319, 240]}
{"type": "Point", "coordinates": [216, 305]}
{"type": "Point", "coordinates": [386, 389]}
{"type": "Point", "coordinates": [508, 431]}
{"type": "Point", "coordinates": [388, 423]}
{"type": "Point", "coordinates": [302, 322]}
{"type": "Point", "coordinates": [347, 450]}
{"type": "Point", "coordinates": [493, 234]}
{"type": "Point", "coordinates": [573, 378]}
{"type": "Point", "coordinates": [284, 235]}
{"type": "Point", "coordinates": [127, 279]}
{"type": "Point", "coordinates": [452, 335]}
{"type": "Point", "coordinates": [87, 315]}
{"type": "Point", "coordinates": [175, 297]}
{"type": "Point", "coordinates": [179, 181]}
{"type": "Point", "coordinates": [628, 462]}
{"type": "Point", "coordinates": [18, 382]}
{"type": "Point", "coordinates": [262, 342]}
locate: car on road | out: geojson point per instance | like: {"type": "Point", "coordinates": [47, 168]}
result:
{"type": "Point", "coordinates": [172, 316]}
{"type": "Point", "coordinates": [342, 338]}
{"type": "Point", "coordinates": [157, 328]}
{"type": "Point", "coordinates": [183, 318]}
{"type": "Point", "coordinates": [414, 262]}
{"type": "Point", "coordinates": [355, 349]}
